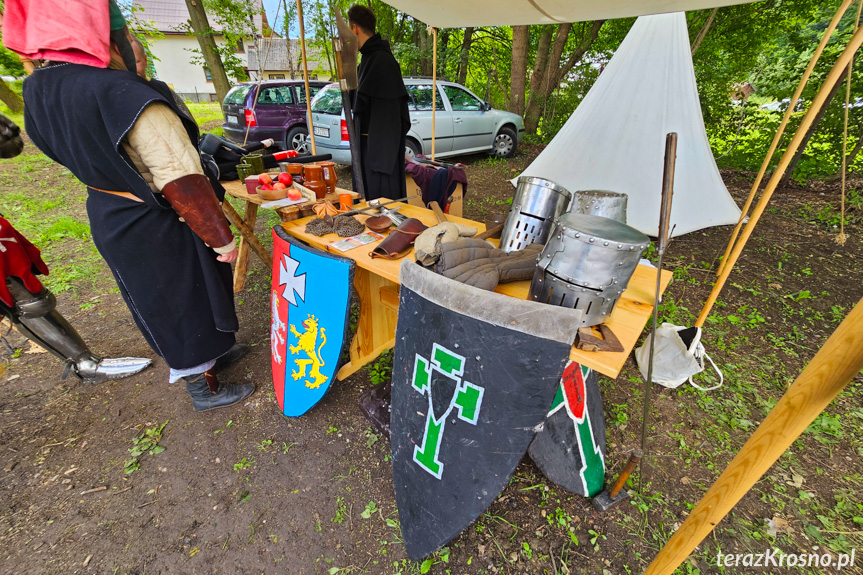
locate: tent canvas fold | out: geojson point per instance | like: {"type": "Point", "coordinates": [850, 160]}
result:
{"type": "Point", "coordinates": [460, 14]}
{"type": "Point", "coordinates": [615, 138]}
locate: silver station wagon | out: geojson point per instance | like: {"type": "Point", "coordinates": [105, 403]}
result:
{"type": "Point", "coordinates": [464, 124]}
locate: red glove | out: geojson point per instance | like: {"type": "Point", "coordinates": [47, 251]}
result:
{"type": "Point", "coordinates": [18, 257]}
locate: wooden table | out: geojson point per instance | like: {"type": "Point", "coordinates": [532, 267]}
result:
{"type": "Point", "coordinates": [377, 283]}
{"type": "Point", "coordinates": [246, 225]}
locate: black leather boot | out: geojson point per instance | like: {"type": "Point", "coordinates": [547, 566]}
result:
{"type": "Point", "coordinates": [234, 354]}
{"type": "Point", "coordinates": [207, 393]}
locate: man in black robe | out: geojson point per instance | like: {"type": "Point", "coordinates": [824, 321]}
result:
{"type": "Point", "coordinates": [153, 213]}
{"type": "Point", "coordinates": [381, 107]}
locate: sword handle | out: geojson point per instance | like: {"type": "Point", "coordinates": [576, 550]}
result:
{"type": "Point", "coordinates": [627, 471]}
{"type": "Point", "coordinates": [667, 188]}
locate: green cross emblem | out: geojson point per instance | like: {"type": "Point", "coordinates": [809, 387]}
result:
{"type": "Point", "coordinates": [440, 379]}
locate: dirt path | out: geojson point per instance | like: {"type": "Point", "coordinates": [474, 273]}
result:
{"type": "Point", "coordinates": [245, 490]}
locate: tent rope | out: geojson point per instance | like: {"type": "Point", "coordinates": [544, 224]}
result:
{"type": "Point", "coordinates": [842, 237]}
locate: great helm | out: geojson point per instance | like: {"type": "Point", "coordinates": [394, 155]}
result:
{"type": "Point", "coordinates": [600, 203]}
{"type": "Point", "coordinates": [586, 265]}
{"type": "Point", "coordinates": [535, 206]}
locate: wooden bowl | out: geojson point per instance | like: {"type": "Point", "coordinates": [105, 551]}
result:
{"type": "Point", "coordinates": [379, 224]}
{"type": "Point", "coordinates": [271, 195]}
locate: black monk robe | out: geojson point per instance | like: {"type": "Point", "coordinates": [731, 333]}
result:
{"type": "Point", "coordinates": [382, 109]}
{"type": "Point", "coordinates": [179, 294]}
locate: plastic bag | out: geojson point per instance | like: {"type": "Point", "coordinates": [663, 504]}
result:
{"type": "Point", "coordinates": [678, 355]}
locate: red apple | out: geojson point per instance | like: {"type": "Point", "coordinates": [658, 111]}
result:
{"type": "Point", "coordinates": [266, 187]}
{"type": "Point", "coordinates": [286, 178]}
{"type": "Point", "coordinates": [265, 179]}
{"type": "Point", "coordinates": [279, 186]}
{"type": "Point", "coordinates": [294, 194]}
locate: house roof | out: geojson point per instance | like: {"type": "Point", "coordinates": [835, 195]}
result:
{"type": "Point", "coordinates": [274, 54]}
{"type": "Point", "coordinates": [168, 16]}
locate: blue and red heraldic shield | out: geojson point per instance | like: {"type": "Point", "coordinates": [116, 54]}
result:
{"type": "Point", "coordinates": [570, 447]}
{"type": "Point", "coordinates": [309, 325]}
{"type": "Point", "coordinates": [474, 375]}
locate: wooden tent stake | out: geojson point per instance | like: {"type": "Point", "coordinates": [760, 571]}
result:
{"type": "Point", "coordinates": [835, 364]}
{"type": "Point", "coordinates": [306, 73]}
{"type": "Point", "coordinates": [842, 238]}
{"type": "Point", "coordinates": [434, 87]}
{"type": "Point", "coordinates": [781, 130]}
{"type": "Point", "coordinates": [817, 103]}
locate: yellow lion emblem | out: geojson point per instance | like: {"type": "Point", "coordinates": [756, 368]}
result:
{"type": "Point", "coordinates": [306, 342]}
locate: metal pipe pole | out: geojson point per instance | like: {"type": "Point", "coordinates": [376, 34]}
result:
{"type": "Point", "coordinates": [434, 87]}
{"type": "Point", "coordinates": [662, 240]}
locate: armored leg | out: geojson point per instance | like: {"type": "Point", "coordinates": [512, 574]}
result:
{"type": "Point", "coordinates": [35, 316]}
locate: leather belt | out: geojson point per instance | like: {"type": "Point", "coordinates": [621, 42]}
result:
{"type": "Point", "coordinates": [126, 195]}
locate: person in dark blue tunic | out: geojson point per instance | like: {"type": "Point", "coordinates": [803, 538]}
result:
{"type": "Point", "coordinates": [153, 214]}
{"type": "Point", "coordinates": [381, 107]}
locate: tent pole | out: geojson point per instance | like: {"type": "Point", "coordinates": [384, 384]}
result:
{"type": "Point", "coordinates": [817, 103]}
{"type": "Point", "coordinates": [434, 87]}
{"type": "Point", "coordinates": [800, 86]}
{"type": "Point", "coordinates": [835, 364]}
{"type": "Point", "coordinates": [306, 73]}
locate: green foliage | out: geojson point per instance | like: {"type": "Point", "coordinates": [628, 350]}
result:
{"type": "Point", "coordinates": [147, 442]}
{"type": "Point", "coordinates": [382, 369]}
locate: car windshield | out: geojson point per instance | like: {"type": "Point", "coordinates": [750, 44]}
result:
{"type": "Point", "coordinates": [328, 100]}
{"type": "Point", "coordinates": [237, 94]}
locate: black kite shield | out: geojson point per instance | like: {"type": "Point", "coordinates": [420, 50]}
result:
{"type": "Point", "coordinates": [570, 447]}
{"type": "Point", "coordinates": [475, 373]}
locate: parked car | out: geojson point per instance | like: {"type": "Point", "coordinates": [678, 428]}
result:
{"type": "Point", "coordinates": [279, 113]}
{"type": "Point", "coordinates": [464, 124]}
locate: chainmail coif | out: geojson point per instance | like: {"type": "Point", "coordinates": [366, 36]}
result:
{"type": "Point", "coordinates": [344, 226]}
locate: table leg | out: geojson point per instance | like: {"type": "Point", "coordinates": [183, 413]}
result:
{"type": "Point", "coordinates": [247, 234]}
{"type": "Point", "coordinates": [376, 326]}
{"type": "Point", "coordinates": [242, 267]}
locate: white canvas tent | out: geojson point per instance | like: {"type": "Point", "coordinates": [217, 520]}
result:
{"type": "Point", "coordinates": [458, 13]}
{"type": "Point", "coordinates": [615, 138]}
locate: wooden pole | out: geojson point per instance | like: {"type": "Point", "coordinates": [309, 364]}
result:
{"type": "Point", "coordinates": [306, 75]}
{"type": "Point", "coordinates": [817, 103]}
{"type": "Point", "coordinates": [835, 364]}
{"type": "Point", "coordinates": [434, 87]}
{"type": "Point", "coordinates": [781, 130]}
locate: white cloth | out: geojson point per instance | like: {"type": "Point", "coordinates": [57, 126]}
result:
{"type": "Point", "coordinates": [615, 139]}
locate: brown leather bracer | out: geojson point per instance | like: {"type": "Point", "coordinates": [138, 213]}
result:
{"type": "Point", "coordinates": [194, 200]}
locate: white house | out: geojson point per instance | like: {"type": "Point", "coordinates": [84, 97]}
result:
{"type": "Point", "coordinates": [174, 64]}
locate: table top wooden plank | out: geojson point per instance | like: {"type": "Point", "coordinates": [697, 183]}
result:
{"type": "Point", "coordinates": [627, 321]}
{"type": "Point", "coordinates": [237, 189]}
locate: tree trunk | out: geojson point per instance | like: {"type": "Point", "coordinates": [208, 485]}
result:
{"type": "Point", "coordinates": [11, 98]}
{"type": "Point", "coordinates": [699, 38]}
{"type": "Point", "coordinates": [548, 70]}
{"type": "Point", "coordinates": [425, 46]}
{"type": "Point", "coordinates": [518, 68]}
{"type": "Point", "coordinates": [464, 56]}
{"type": "Point", "coordinates": [201, 27]}
{"type": "Point", "coordinates": [798, 155]}
{"type": "Point", "coordinates": [443, 52]}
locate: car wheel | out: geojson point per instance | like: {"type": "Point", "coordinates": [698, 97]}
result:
{"type": "Point", "coordinates": [412, 149]}
{"type": "Point", "coordinates": [504, 143]}
{"type": "Point", "coordinates": [297, 139]}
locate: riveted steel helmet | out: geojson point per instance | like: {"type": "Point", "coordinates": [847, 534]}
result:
{"type": "Point", "coordinates": [535, 206]}
{"type": "Point", "coordinates": [586, 265]}
{"type": "Point", "coordinates": [600, 203]}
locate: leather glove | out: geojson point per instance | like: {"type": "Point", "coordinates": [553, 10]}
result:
{"type": "Point", "coordinates": [428, 244]}
{"type": "Point", "coordinates": [478, 264]}
{"type": "Point", "coordinates": [194, 200]}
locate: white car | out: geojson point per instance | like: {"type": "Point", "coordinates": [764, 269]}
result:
{"type": "Point", "coordinates": [464, 124]}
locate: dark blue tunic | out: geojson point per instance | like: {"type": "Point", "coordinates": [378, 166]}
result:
{"type": "Point", "coordinates": [179, 294]}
